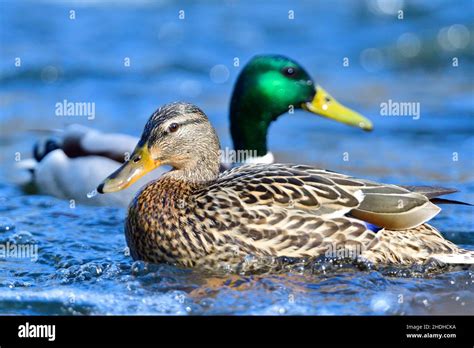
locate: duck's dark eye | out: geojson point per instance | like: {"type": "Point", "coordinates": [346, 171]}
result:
{"type": "Point", "coordinates": [289, 71]}
{"type": "Point", "coordinates": [173, 127]}
{"type": "Point", "coordinates": [137, 159]}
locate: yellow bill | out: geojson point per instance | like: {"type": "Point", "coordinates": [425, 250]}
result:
{"type": "Point", "coordinates": [139, 164]}
{"type": "Point", "coordinates": [324, 104]}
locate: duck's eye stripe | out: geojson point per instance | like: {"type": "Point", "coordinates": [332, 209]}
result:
{"type": "Point", "coordinates": [185, 123]}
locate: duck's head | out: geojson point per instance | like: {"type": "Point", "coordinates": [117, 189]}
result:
{"type": "Point", "coordinates": [272, 85]}
{"type": "Point", "coordinates": [177, 134]}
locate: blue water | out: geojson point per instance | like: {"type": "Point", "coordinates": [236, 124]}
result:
{"type": "Point", "coordinates": [82, 265]}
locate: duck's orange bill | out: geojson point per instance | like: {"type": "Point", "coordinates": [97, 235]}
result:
{"type": "Point", "coordinates": [139, 164]}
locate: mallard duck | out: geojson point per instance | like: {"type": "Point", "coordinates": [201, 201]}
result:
{"type": "Point", "coordinates": [267, 87]}
{"type": "Point", "coordinates": [197, 216]}
{"type": "Point", "coordinates": [70, 165]}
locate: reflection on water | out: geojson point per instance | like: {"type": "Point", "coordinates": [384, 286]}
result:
{"type": "Point", "coordinates": [130, 58]}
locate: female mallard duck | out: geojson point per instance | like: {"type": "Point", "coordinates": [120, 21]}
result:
{"type": "Point", "coordinates": [267, 87]}
{"type": "Point", "coordinates": [195, 216]}
{"type": "Point", "coordinates": [70, 166]}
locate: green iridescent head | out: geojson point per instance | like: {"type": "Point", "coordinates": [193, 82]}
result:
{"type": "Point", "coordinates": [271, 85]}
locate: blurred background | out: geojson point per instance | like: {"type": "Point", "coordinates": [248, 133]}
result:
{"type": "Point", "coordinates": [192, 59]}
{"type": "Point", "coordinates": [406, 51]}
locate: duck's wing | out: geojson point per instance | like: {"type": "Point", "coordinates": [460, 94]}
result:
{"type": "Point", "coordinates": [300, 211]}
{"type": "Point", "coordinates": [79, 141]}
{"type": "Point", "coordinates": [430, 191]}
{"type": "Point", "coordinates": [434, 192]}
{"type": "Point", "coordinates": [281, 211]}
{"type": "Point", "coordinates": [324, 193]}
{"type": "Point", "coordinates": [393, 207]}
{"type": "Point", "coordinates": [291, 187]}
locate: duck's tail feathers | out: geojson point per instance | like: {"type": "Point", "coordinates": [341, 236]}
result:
{"type": "Point", "coordinates": [433, 193]}
{"type": "Point", "coordinates": [28, 164]}
{"type": "Point", "coordinates": [45, 131]}
{"type": "Point", "coordinates": [44, 147]}
{"type": "Point", "coordinates": [430, 191]}
{"type": "Point", "coordinates": [449, 201]}
{"type": "Point", "coordinates": [418, 245]}
{"type": "Point", "coordinates": [461, 257]}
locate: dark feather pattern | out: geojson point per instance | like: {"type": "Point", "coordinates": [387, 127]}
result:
{"type": "Point", "coordinates": [269, 211]}
{"type": "Point", "coordinates": [194, 216]}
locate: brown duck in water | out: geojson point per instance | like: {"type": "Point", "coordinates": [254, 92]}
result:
{"type": "Point", "coordinates": [194, 216]}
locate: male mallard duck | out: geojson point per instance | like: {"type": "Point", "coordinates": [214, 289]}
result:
{"type": "Point", "coordinates": [267, 87]}
{"type": "Point", "coordinates": [195, 216]}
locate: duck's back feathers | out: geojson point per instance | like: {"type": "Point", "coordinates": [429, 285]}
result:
{"type": "Point", "coordinates": [283, 210]}
{"type": "Point", "coordinates": [300, 211]}
{"type": "Point", "coordinates": [324, 193]}
{"type": "Point", "coordinates": [81, 141]}
{"type": "Point", "coordinates": [293, 187]}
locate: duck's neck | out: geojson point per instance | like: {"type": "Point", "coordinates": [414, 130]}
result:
{"type": "Point", "coordinates": [249, 123]}
{"type": "Point", "coordinates": [194, 177]}
{"type": "Point", "coordinates": [201, 170]}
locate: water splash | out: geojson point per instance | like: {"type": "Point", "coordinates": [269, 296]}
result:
{"type": "Point", "coordinates": [92, 194]}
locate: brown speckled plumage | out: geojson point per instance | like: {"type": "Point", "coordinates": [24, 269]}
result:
{"type": "Point", "coordinates": [265, 211]}
{"type": "Point", "coordinates": [194, 216]}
